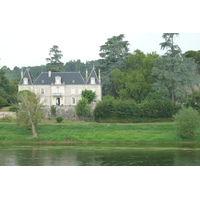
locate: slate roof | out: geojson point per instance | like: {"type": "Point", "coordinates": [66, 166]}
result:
{"type": "Point", "coordinates": [28, 75]}
{"type": "Point", "coordinates": [67, 78]}
{"type": "Point", "coordinates": [93, 74]}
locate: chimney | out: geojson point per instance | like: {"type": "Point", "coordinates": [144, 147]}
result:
{"type": "Point", "coordinates": [21, 73]}
{"type": "Point", "coordinates": [99, 76]}
{"type": "Point", "coordinates": [86, 75]}
{"type": "Point", "coordinates": [49, 73]}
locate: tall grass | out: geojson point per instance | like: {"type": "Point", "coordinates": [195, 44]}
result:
{"type": "Point", "coordinates": [92, 132]}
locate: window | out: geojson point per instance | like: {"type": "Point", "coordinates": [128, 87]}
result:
{"type": "Point", "coordinates": [92, 80]}
{"type": "Point", "coordinates": [79, 91]}
{"type": "Point", "coordinates": [57, 80]}
{"type": "Point", "coordinates": [57, 90]}
{"type": "Point", "coordinates": [73, 91]}
{"type": "Point", "coordinates": [42, 90]}
{"type": "Point", "coordinates": [73, 100]}
{"type": "Point", "coordinates": [57, 101]}
{"type": "Point", "coordinates": [25, 81]}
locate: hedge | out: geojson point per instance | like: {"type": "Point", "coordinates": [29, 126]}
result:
{"type": "Point", "coordinates": [129, 111]}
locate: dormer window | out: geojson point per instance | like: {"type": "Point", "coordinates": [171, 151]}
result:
{"type": "Point", "coordinates": [25, 81]}
{"type": "Point", "coordinates": [92, 80]}
{"type": "Point", "coordinates": [57, 80]}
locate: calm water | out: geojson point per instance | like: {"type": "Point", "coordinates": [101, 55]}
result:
{"type": "Point", "coordinates": [100, 155]}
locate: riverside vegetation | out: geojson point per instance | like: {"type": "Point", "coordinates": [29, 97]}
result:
{"type": "Point", "coordinates": [75, 132]}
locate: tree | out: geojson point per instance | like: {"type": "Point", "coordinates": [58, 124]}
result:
{"type": "Point", "coordinates": [195, 55]}
{"type": "Point", "coordinates": [187, 121]}
{"type": "Point", "coordinates": [54, 63]}
{"type": "Point", "coordinates": [83, 108]}
{"type": "Point", "coordinates": [89, 95]}
{"type": "Point", "coordinates": [30, 110]}
{"type": "Point", "coordinates": [8, 89]}
{"type": "Point", "coordinates": [135, 80]}
{"type": "Point", "coordinates": [113, 54]}
{"type": "Point", "coordinates": [175, 74]}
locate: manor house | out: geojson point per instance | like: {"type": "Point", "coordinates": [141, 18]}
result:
{"type": "Point", "coordinates": [61, 88]}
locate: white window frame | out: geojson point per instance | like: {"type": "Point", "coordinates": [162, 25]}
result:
{"type": "Point", "coordinates": [42, 91]}
{"type": "Point", "coordinates": [73, 100]}
{"type": "Point", "coordinates": [80, 91]}
{"type": "Point", "coordinates": [73, 91]}
{"type": "Point", "coordinates": [92, 80]}
{"type": "Point", "coordinates": [25, 81]}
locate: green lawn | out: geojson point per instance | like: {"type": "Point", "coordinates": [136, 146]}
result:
{"type": "Point", "coordinates": [94, 132]}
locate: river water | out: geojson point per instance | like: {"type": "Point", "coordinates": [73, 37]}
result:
{"type": "Point", "coordinates": [100, 155]}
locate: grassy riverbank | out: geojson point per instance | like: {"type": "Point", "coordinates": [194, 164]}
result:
{"type": "Point", "coordinates": [93, 132]}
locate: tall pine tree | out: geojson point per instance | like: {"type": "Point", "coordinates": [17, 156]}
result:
{"type": "Point", "coordinates": [176, 74]}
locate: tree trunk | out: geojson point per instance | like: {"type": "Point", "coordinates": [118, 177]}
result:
{"type": "Point", "coordinates": [33, 130]}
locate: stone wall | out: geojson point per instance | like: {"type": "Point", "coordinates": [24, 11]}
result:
{"type": "Point", "coordinates": [68, 112]}
{"type": "Point", "coordinates": [7, 114]}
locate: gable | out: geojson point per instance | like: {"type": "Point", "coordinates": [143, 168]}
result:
{"type": "Point", "coordinates": [93, 79]}
{"type": "Point", "coordinates": [27, 77]}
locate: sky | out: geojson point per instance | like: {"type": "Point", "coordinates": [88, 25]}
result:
{"type": "Point", "coordinates": [29, 28]}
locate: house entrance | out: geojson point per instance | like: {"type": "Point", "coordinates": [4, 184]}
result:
{"type": "Point", "coordinates": [57, 101]}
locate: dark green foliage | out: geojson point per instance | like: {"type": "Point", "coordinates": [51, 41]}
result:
{"type": "Point", "coordinates": [13, 108]}
{"type": "Point", "coordinates": [187, 120]}
{"type": "Point", "coordinates": [158, 109]}
{"type": "Point", "coordinates": [89, 95]}
{"type": "Point", "coordinates": [130, 111]}
{"type": "Point", "coordinates": [113, 54]}
{"type": "Point", "coordinates": [82, 108]}
{"type": "Point", "coordinates": [59, 119]}
{"type": "Point", "coordinates": [3, 102]}
{"type": "Point", "coordinates": [135, 80]}
{"type": "Point", "coordinates": [195, 55]}
{"type": "Point", "coordinates": [53, 62]}
{"type": "Point", "coordinates": [8, 89]}
{"type": "Point", "coordinates": [175, 74]}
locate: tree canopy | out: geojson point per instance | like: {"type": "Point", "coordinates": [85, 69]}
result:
{"type": "Point", "coordinates": [30, 110]}
{"type": "Point", "coordinates": [54, 63]}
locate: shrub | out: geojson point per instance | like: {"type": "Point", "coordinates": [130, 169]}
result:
{"type": "Point", "coordinates": [3, 102]}
{"type": "Point", "coordinates": [158, 109]}
{"type": "Point", "coordinates": [13, 108]}
{"type": "Point", "coordinates": [187, 121]}
{"type": "Point", "coordinates": [82, 108]}
{"type": "Point", "coordinates": [89, 95]}
{"type": "Point", "coordinates": [59, 119]}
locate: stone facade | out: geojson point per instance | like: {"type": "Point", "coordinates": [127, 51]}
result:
{"type": "Point", "coordinates": [61, 88]}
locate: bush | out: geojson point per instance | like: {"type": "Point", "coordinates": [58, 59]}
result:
{"type": "Point", "coordinates": [59, 119]}
{"type": "Point", "coordinates": [82, 108]}
{"type": "Point", "coordinates": [187, 121]}
{"type": "Point", "coordinates": [3, 102]}
{"type": "Point", "coordinates": [13, 108]}
{"type": "Point", "coordinates": [158, 109]}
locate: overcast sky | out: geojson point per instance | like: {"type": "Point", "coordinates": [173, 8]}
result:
{"type": "Point", "coordinates": [29, 28]}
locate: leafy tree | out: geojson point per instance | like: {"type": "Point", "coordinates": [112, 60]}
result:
{"type": "Point", "coordinates": [174, 73]}
{"type": "Point", "coordinates": [135, 80]}
{"type": "Point", "coordinates": [8, 89]}
{"type": "Point", "coordinates": [54, 63]}
{"type": "Point", "coordinates": [187, 121]}
{"type": "Point", "coordinates": [30, 110]}
{"type": "Point", "coordinates": [3, 102]}
{"type": "Point", "coordinates": [113, 54]}
{"type": "Point", "coordinates": [89, 95]}
{"type": "Point", "coordinates": [195, 55]}
{"type": "Point", "coordinates": [82, 108]}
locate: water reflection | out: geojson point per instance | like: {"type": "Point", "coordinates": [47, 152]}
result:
{"type": "Point", "coordinates": [100, 155]}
